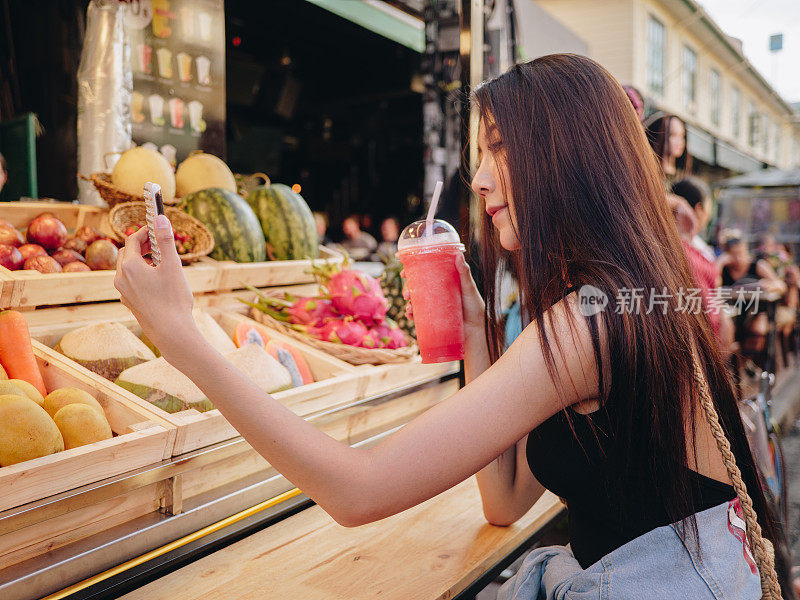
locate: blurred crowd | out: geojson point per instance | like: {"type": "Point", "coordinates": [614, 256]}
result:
{"type": "Point", "coordinates": [357, 239]}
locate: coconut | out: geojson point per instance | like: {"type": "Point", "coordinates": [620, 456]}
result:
{"type": "Point", "coordinates": [139, 165]}
{"type": "Point", "coordinates": [209, 329]}
{"type": "Point", "coordinates": [106, 349]}
{"type": "Point", "coordinates": [201, 171]}
{"type": "Point", "coordinates": [163, 385]}
{"type": "Point", "coordinates": [266, 372]}
{"type": "Point", "coordinates": [213, 333]}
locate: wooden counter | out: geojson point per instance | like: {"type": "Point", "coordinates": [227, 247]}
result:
{"type": "Point", "coordinates": [432, 551]}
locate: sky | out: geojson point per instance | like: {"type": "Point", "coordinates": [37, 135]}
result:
{"type": "Point", "coordinates": [753, 21]}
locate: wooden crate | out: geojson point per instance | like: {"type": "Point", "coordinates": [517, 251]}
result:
{"type": "Point", "coordinates": [31, 288]}
{"type": "Point", "coordinates": [336, 383]}
{"type": "Point", "coordinates": [236, 276]}
{"type": "Point", "coordinates": [141, 439]}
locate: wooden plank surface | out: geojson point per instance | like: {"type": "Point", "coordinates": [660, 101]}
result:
{"type": "Point", "coordinates": [432, 551]}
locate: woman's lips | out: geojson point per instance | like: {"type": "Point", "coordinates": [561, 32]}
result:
{"type": "Point", "coordinates": [492, 210]}
{"type": "Point", "coordinates": [497, 213]}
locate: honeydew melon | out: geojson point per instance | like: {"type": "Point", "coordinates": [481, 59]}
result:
{"type": "Point", "coordinates": [139, 165]}
{"type": "Point", "coordinates": [209, 329]}
{"type": "Point", "coordinates": [200, 171]}
{"type": "Point", "coordinates": [107, 349]}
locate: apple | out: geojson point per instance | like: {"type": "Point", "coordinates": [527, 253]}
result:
{"type": "Point", "coordinates": [9, 235]}
{"type": "Point", "coordinates": [76, 267]}
{"type": "Point", "coordinates": [43, 264]}
{"type": "Point", "coordinates": [10, 257]}
{"type": "Point", "coordinates": [76, 244]}
{"type": "Point", "coordinates": [88, 234]}
{"type": "Point", "coordinates": [101, 255]}
{"type": "Point", "coordinates": [65, 256]}
{"type": "Point", "coordinates": [47, 231]}
{"type": "Point", "coordinates": [31, 250]}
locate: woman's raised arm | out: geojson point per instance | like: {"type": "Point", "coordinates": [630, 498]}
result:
{"type": "Point", "coordinates": [432, 453]}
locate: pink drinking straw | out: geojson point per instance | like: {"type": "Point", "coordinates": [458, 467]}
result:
{"type": "Point", "coordinates": [432, 209]}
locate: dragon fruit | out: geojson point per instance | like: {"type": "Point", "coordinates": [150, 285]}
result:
{"type": "Point", "coordinates": [359, 295]}
{"type": "Point", "coordinates": [340, 331]}
{"type": "Point", "coordinates": [311, 311]}
{"type": "Point", "coordinates": [389, 335]}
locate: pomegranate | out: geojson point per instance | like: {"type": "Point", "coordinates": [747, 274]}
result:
{"type": "Point", "coordinates": [31, 250]}
{"type": "Point", "coordinates": [65, 256]}
{"type": "Point", "coordinates": [9, 235]}
{"type": "Point", "coordinates": [43, 264]}
{"type": "Point", "coordinates": [47, 231]}
{"type": "Point", "coordinates": [6, 223]}
{"type": "Point", "coordinates": [76, 244]}
{"type": "Point", "coordinates": [75, 267]}
{"type": "Point", "coordinates": [101, 255]}
{"type": "Point", "coordinates": [88, 234]}
{"type": "Point", "coordinates": [10, 257]}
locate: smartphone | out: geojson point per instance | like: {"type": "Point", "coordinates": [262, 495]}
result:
{"type": "Point", "coordinates": [154, 206]}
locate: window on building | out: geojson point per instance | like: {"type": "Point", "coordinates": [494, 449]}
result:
{"type": "Point", "coordinates": [765, 134]}
{"type": "Point", "coordinates": [714, 84]}
{"type": "Point", "coordinates": [689, 79]}
{"type": "Point", "coordinates": [656, 55]}
{"type": "Point", "coordinates": [736, 112]}
{"type": "Point", "coordinates": [778, 144]}
{"type": "Point", "coordinates": [753, 121]}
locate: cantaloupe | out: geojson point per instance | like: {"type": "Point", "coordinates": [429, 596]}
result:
{"type": "Point", "coordinates": [81, 424]}
{"type": "Point", "coordinates": [26, 431]}
{"type": "Point", "coordinates": [105, 348]}
{"type": "Point", "coordinates": [139, 165]}
{"type": "Point", "coordinates": [285, 352]}
{"type": "Point", "coordinates": [201, 171]}
{"type": "Point", "coordinates": [58, 399]}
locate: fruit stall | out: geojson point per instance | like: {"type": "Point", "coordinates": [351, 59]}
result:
{"type": "Point", "coordinates": [107, 452]}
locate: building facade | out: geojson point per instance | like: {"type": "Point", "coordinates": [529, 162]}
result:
{"type": "Point", "coordinates": [684, 64]}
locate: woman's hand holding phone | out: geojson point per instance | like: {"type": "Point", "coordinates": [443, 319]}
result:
{"type": "Point", "coordinates": [158, 296]}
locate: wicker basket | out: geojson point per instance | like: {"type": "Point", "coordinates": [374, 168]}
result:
{"type": "Point", "coordinates": [133, 213]}
{"type": "Point", "coordinates": [112, 194]}
{"type": "Point", "coordinates": [351, 354]}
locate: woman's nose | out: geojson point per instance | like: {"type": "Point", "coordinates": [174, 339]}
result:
{"type": "Point", "coordinates": [482, 183]}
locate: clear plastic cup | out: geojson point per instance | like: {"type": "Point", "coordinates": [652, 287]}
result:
{"type": "Point", "coordinates": [433, 281]}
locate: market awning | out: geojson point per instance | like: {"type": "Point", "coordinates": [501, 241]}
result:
{"type": "Point", "coordinates": [765, 178]}
{"type": "Point", "coordinates": [735, 160]}
{"type": "Point", "coordinates": [381, 18]}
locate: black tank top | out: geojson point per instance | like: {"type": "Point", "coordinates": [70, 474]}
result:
{"type": "Point", "coordinates": [576, 466]}
{"type": "Point", "coordinates": [751, 273]}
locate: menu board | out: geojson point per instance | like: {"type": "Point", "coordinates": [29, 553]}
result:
{"type": "Point", "coordinates": [178, 64]}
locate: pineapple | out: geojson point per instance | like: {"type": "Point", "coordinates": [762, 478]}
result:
{"type": "Point", "coordinates": [392, 286]}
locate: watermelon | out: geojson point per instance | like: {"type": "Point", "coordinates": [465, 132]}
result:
{"type": "Point", "coordinates": [234, 225]}
{"type": "Point", "coordinates": [288, 225]}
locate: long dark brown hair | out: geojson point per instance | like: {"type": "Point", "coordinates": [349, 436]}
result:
{"type": "Point", "coordinates": [657, 128]}
{"type": "Point", "coordinates": [590, 210]}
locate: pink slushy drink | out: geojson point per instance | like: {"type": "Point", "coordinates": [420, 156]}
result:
{"type": "Point", "coordinates": [429, 262]}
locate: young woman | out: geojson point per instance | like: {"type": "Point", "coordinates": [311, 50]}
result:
{"type": "Point", "coordinates": [602, 409]}
{"type": "Point", "coordinates": [667, 136]}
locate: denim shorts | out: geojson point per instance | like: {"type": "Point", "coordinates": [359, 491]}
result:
{"type": "Point", "coordinates": [655, 566]}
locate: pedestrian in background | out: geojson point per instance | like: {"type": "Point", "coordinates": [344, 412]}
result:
{"type": "Point", "coordinates": [390, 231]}
{"type": "Point", "coordinates": [667, 136]}
{"type": "Point", "coordinates": [359, 244]}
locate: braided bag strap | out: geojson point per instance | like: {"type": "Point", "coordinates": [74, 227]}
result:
{"type": "Point", "coordinates": [763, 551]}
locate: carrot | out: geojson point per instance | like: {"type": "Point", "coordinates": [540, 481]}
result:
{"type": "Point", "coordinates": [16, 351]}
